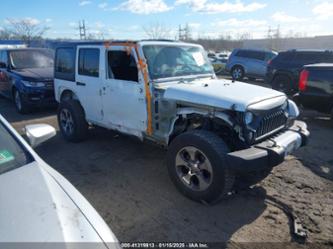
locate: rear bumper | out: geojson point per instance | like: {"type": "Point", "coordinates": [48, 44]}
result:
{"type": "Point", "coordinates": [271, 152]}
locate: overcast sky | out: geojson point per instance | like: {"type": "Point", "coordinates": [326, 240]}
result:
{"type": "Point", "coordinates": [125, 19]}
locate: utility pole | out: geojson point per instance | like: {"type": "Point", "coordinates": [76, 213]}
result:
{"type": "Point", "coordinates": [184, 33]}
{"type": "Point", "coordinates": [82, 30]}
{"type": "Point", "coordinates": [274, 36]}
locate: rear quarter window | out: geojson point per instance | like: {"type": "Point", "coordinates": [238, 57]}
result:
{"type": "Point", "coordinates": [284, 57]}
{"type": "Point", "coordinates": [65, 64]}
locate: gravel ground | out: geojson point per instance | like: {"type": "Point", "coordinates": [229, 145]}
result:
{"type": "Point", "coordinates": [127, 182]}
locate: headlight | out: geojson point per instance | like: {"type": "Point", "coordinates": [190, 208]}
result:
{"type": "Point", "coordinates": [248, 118]}
{"type": "Point", "coordinates": [33, 84]}
{"type": "Point", "coordinates": [285, 106]}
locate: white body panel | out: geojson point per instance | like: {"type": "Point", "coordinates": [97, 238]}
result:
{"type": "Point", "coordinates": [124, 103]}
{"type": "Point", "coordinates": [88, 88]}
{"type": "Point", "coordinates": [221, 94]}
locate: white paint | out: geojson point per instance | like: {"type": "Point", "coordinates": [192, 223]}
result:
{"type": "Point", "coordinates": [220, 93]}
{"type": "Point", "coordinates": [89, 94]}
{"type": "Point", "coordinates": [124, 103]}
{"type": "Point", "coordinates": [39, 205]}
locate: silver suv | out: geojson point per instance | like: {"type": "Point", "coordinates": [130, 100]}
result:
{"type": "Point", "coordinates": [249, 63]}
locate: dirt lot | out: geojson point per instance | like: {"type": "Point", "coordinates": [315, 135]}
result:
{"type": "Point", "coordinates": [127, 182]}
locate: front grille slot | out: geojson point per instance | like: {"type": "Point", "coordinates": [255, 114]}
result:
{"type": "Point", "coordinates": [270, 123]}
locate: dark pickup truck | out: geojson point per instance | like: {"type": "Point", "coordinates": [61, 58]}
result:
{"type": "Point", "coordinates": [316, 88]}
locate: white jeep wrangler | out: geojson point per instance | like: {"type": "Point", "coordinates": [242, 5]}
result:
{"type": "Point", "coordinates": [220, 134]}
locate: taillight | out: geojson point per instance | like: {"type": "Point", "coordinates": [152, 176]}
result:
{"type": "Point", "coordinates": [269, 62]}
{"type": "Point", "coordinates": [303, 80]}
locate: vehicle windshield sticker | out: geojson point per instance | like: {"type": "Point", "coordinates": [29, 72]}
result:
{"type": "Point", "coordinates": [199, 59]}
{"type": "Point", "coordinates": [5, 156]}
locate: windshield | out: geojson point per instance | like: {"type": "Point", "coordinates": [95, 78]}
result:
{"type": "Point", "coordinates": [21, 59]}
{"type": "Point", "coordinates": [166, 61]}
{"type": "Point", "coordinates": [12, 154]}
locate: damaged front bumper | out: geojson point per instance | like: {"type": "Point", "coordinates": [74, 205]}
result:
{"type": "Point", "coordinates": [270, 152]}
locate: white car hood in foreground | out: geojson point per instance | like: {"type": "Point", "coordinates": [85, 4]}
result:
{"type": "Point", "coordinates": [34, 207]}
{"type": "Point", "coordinates": [224, 94]}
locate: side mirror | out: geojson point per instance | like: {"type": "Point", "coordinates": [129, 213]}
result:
{"type": "Point", "coordinates": [39, 133]}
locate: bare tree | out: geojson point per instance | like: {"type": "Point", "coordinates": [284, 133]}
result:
{"type": "Point", "coordinates": [157, 31]}
{"type": "Point", "coordinates": [26, 29]}
{"type": "Point", "coordinates": [5, 34]}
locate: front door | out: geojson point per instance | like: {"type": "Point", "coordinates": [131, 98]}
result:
{"type": "Point", "coordinates": [89, 81]}
{"type": "Point", "coordinates": [124, 101]}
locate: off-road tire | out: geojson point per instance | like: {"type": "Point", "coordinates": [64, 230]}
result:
{"type": "Point", "coordinates": [237, 73]}
{"type": "Point", "coordinates": [80, 125]}
{"type": "Point", "coordinates": [20, 105]}
{"type": "Point", "coordinates": [246, 180]}
{"type": "Point", "coordinates": [215, 150]}
{"type": "Point", "coordinates": [284, 84]}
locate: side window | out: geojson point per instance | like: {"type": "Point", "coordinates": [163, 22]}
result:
{"type": "Point", "coordinates": [3, 57]}
{"type": "Point", "coordinates": [305, 57]}
{"type": "Point", "coordinates": [259, 55]}
{"type": "Point", "coordinates": [65, 64]}
{"type": "Point", "coordinates": [122, 66]}
{"type": "Point", "coordinates": [243, 53]}
{"type": "Point", "coordinates": [269, 56]}
{"type": "Point", "coordinates": [89, 62]}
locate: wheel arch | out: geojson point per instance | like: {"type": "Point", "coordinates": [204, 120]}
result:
{"type": "Point", "coordinates": [67, 94]}
{"type": "Point", "coordinates": [238, 65]}
{"type": "Point", "coordinates": [185, 116]}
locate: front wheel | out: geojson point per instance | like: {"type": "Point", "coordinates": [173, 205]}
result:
{"type": "Point", "coordinates": [21, 106]}
{"type": "Point", "coordinates": [237, 73]}
{"type": "Point", "coordinates": [198, 167]}
{"type": "Point", "coordinates": [71, 120]}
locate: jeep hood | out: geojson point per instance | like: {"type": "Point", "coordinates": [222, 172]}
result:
{"type": "Point", "coordinates": [225, 94]}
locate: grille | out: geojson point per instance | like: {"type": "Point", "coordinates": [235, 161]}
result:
{"type": "Point", "coordinates": [49, 84]}
{"type": "Point", "coordinates": [270, 123]}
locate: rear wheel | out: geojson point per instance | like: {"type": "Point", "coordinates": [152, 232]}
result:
{"type": "Point", "coordinates": [283, 83]}
{"type": "Point", "coordinates": [198, 167]}
{"type": "Point", "coordinates": [71, 120]}
{"type": "Point", "coordinates": [21, 106]}
{"type": "Point", "coordinates": [237, 73]}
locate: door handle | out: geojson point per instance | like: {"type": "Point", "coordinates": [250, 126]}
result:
{"type": "Point", "coordinates": [80, 83]}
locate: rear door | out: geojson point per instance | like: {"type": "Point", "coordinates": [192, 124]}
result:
{"type": "Point", "coordinates": [89, 76]}
{"type": "Point", "coordinates": [258, 63]}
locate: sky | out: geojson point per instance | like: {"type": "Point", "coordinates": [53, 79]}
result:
{"type": "Point", "coordinates": [127, 19]}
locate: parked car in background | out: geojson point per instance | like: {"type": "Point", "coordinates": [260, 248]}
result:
{"type": "Point", "coordinates": [217, 132]}
{"type": "Point", "coordinates": [37, 203]}
{"type": "Point", "coordinates": [316, 88]}
{"type": "Point", "coordinates": [284, 70]}
{"type": "Point", "coordinates": [249, 63]}
{"type": "Point", "coordinates": [26, 76]}
{"type": "Point", "coordinates": [219, 64]}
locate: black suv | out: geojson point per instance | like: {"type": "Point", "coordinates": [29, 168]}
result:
{"type": "Point", "coordinates": [283, 71]}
